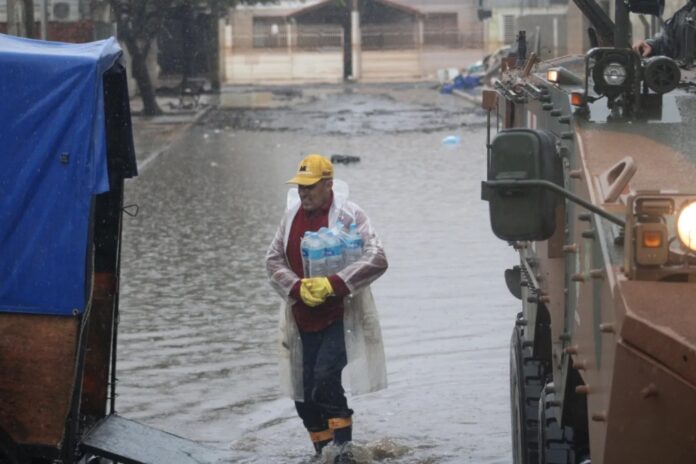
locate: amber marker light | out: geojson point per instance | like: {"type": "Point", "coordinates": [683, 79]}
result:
{"type": "Point", "coordinates": [686, 226]}
{"type": "Point", "coordinates": [652, 239]}
{"type": "Point", "coordinates": [552, 75]}
{"type": "Point", "coordinates": [577, 99]}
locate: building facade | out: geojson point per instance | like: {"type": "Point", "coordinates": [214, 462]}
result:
{"type": "Point", "coordinates": [66, 20]}
{"type": "Point", "coordinates": [325, 41]}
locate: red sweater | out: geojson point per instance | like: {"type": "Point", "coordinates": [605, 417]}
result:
{"type": "Point", "coordinates": [318, 318]}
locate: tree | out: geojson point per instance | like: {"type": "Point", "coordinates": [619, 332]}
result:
{"type": "Point", "coordinates": [139, 23]}
{"type": "Point", "coordinates": [25, 10]}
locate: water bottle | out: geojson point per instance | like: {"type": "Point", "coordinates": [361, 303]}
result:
{"type": "Point", "coordinates": [354, 245]}
{"type": "Point", "coordinates": [340, 231]}
{"type": "Point", "coordinates": [334, 252]}
{"type": "Point", "coordinates": [337, 229]}
{"type": "Point", "coordinates": [316, 259]}
{"type": "Point", "coordinates": [304, 250]}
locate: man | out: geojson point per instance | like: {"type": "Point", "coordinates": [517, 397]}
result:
{"type": "Point", "coordinates": [328, 322]}
{"type": "Point", "coordinates": [672, 40]}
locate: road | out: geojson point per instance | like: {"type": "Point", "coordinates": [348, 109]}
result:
{"type": "Point", "coordinates": [197, 346]}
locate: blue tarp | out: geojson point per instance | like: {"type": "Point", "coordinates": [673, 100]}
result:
{"type": "Point", "coordinates": [52, 163]}
{"type": "Point", "coordinates": [461, 82]}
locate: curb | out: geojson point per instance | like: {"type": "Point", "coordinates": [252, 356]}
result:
{"type": "Point", "coordinates": [473, 99]}
{"type": "Point", "coordinates": [181, 132]}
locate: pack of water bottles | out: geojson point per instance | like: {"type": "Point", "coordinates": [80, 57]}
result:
{"type": "Point", "coordinates": [327, 251]}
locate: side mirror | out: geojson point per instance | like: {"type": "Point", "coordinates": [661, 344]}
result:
{"type": "Point", "coordinates": [523, 212]}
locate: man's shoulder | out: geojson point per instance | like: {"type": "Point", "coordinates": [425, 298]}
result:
{"type": "Point", "coordinates": [350, 205]}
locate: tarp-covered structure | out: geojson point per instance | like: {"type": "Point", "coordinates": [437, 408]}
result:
{"type": "Point", "coordinates": [53, 162]}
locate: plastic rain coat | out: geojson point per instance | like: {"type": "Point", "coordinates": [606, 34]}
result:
{"type": "Point", "coordinates": [366, 370]}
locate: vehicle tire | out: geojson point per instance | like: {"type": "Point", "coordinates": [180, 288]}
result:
{"type": "Point", "coordinates": [555, 440]}
{"type": "Point", "coordinates": [8, 450]}
{"type": "Point", "coordinates": [5, 458]}
{"type": "Point", "coordinates": [526, 381]}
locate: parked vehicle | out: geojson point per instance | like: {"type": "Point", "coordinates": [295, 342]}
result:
{"type": "Point", "coordinates": [66, 148]}
{"type": "Point", "coordinates": [592, 180]}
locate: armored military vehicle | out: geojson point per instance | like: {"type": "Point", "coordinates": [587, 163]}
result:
{"type": "Point", "coordinates": [592, 180]}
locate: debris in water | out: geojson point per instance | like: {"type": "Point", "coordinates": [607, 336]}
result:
{"type": "Point", "coordinates": [344, 159]}
{"type": "Point", "coordinates": [452, 140]}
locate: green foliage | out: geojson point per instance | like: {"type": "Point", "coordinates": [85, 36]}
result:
{"type": "Point", "coordinates": [140, 21]}
{"type": "Point", "coordinates": [143, 18]}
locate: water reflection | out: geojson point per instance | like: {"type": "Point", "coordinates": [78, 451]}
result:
{"type": "Point", "coordinates": [198, 325]}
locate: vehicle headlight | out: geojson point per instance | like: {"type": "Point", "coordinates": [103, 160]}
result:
{"type": "Point", "coordinates": [614, 74]}
{"type": "Point", "coordinates": [686, 226]}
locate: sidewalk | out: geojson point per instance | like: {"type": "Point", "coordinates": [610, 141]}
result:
{"type": "Point", "coordinates": [154, 135]}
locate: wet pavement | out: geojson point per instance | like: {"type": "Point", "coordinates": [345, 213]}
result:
{"type": "Point", "coordinates": [350, 110]}
{"type": "Point", "coordinates": [197, 344]}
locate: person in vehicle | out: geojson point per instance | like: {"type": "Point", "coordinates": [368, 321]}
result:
{"type": "Point", "coordinates": [327, 322]}
{"type": "Point", "coordinates": [672, 40]}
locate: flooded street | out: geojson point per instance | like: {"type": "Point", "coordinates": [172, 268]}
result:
{"type": "Point", "coordinates": [198, 333]}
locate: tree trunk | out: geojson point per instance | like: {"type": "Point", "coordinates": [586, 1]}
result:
{"type": "Point", "coordinates": [29, 18]}
{"type": "Point", "coordinates": [214, 53]}
{"type": "Point", "coordinates": [142, 78]}
{"type": "Point", "coordinates": [187, 38]}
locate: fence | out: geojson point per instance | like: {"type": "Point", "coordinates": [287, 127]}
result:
{"type": "Point", "coordinates": [371, 39]}
{"type": "Point", "coordinates": [452, 38]}
{"type": "Point", "coordinates": [388, 40]}
{"type": "Point", "coordinates": [319, 40]}
{"type": "Point", "coordinates": [304, 39]}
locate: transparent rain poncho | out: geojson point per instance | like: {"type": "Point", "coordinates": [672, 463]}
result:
{"type": "Point", "coordinates": [366, 370]}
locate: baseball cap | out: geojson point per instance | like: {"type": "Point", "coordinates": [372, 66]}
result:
{"type": "Point", "coordinates": [311, 170]}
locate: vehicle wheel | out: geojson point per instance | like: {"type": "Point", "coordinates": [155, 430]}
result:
{"type": "Point", "coordinates": [526, 381]}
{"type": "Point", "coordinates": [9, 454]}
{"type": "Point", "coordinates": [555, 440]}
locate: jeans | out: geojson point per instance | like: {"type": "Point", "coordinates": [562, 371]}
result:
{"type": "Point", "coordinates": [323, 359]}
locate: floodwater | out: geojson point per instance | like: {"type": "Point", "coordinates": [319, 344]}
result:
{"type": "Point", "coordinates": [197, 344]}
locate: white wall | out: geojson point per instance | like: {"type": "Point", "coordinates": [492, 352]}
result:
{"type": "Point", "coordinates": [384, 65]}
{"type": "Point", "coordinates": [266, 66]}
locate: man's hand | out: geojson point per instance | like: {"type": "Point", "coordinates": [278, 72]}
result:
{"type": "Point", "coordinates": [643, 48]}
{"type": "Point", "coordinates": [307, 297]}
{"type": "Point", "coordinates": [315, 289]}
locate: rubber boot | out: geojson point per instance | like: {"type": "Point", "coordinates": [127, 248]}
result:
{"type": "Point", "coordinates": [342, 437]}
{"type": "Point", "coordinates": [345, 454]}
{"type": "Point", "coordinates": [342, 429]}
{"type": "Point", "coordinates": [320, 439]}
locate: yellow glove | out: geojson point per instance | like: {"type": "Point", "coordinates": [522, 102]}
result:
{"type": "Point", "coordinates": [307, 297]}
{"type": "Point", "coordinates": [320, 287]}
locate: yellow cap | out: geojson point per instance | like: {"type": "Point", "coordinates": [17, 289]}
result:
{"type": "Point", "coordinates": [312, 169]}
